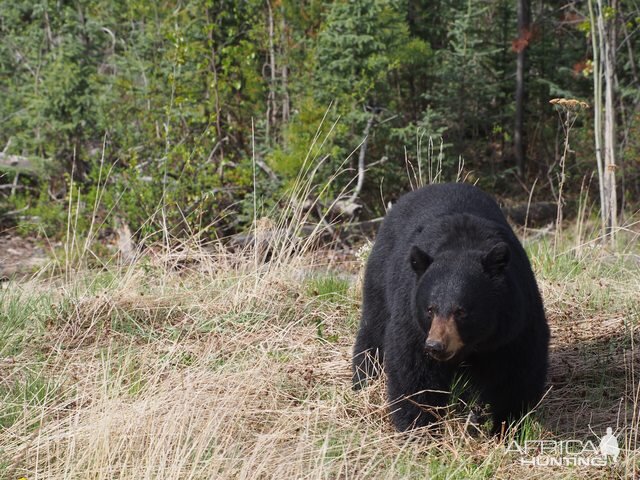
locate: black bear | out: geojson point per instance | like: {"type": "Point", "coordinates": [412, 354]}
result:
{"type": "Point", "coordinates": [449, 291]}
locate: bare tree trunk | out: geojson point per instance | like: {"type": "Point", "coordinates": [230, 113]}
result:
{"type": "Point", "coordinates": [597, 110]}
{"type": "Point", "coordinates": [216, 96]}
{"type": "Point", "coordinates": [271, 97]}
{"type": "Point", "coordinates": [218, 113]}
{"type": "Point", "coordinates": [524, 34]}
{"type": "Point", "coordinates": [286, 101]}
{"type": "Point", "coordinates": [608, 40]}
{"type": "Point", "coordinates": [632, 58]}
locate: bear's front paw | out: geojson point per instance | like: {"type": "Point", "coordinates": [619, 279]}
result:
{"type": "Point", "coordinates": [366, 366]}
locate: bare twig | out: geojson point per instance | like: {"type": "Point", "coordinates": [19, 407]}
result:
{"type": "Point", "coordinates": [361, 160]}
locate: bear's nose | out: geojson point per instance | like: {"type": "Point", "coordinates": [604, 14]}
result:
{"type": "Point", "coordinates": [434, 346]}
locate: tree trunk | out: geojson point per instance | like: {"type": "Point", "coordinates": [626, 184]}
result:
{"type": "Point", "coordinates": [603, 38]}
{"type": "Point", "coordinates": [607, 29]}
{"type": "Point", "coordinates": [524, 34]}
{"type": "Point", "coordinates": [597, 109]}
{"type": "Point", "coordinates": [286, 102]}
{"type": "Point", "coordinates": [213, 67]}
{"type": "Point", "coordinates": [271, 98]}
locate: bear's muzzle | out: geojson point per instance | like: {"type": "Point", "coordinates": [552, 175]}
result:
{"type": "Point", "coordinates": [443, 342]}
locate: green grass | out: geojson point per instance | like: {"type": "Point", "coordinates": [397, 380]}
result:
{"type": "Point", "coordinates": [31, 390]}
{"type": "Point", "coordinates": [329, 286]}
{"type": "Point", "coordinates": [23, 314]}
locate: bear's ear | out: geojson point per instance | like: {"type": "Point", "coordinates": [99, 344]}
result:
{"type": "Point", "coordinates": [420, 260]}
{"type": "Point", "coordinates": [496, 261]}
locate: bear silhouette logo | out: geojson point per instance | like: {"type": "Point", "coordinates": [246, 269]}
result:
{"type": "Point", "coordinates": [609, 445]}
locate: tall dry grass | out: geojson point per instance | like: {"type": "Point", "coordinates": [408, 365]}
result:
{"type": "Point", "coordinates": [199, 363]}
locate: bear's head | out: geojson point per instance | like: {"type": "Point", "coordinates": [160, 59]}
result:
{"type": "Point", "coordinates": [457, 298]}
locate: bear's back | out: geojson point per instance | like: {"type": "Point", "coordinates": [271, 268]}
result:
{"type": "Point", "coordinates": [423, 209]}
{"type": "Point", "coordinates": [436, 200]}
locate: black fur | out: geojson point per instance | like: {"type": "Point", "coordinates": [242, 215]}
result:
{"type": "Point", "coordinates": [449, 248]}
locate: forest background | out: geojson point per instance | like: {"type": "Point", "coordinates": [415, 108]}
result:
{"type": "Point", "coordinates": [214, 108]}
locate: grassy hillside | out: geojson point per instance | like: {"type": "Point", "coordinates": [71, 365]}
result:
{"type": "Point", "coordinates": [197, 363]}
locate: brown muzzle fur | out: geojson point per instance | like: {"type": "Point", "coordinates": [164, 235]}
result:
{"type": "Point", "coordinates": [445, 331]}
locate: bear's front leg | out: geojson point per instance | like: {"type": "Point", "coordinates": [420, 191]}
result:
{"type": "Point", "coordinates": [368, 352]}
{"type": "Point", "coordinates": [417, 385]}
{"type": "Point", "coordinates": [510, 393]}
{"type": "Point", "coordinates": [506, 413]}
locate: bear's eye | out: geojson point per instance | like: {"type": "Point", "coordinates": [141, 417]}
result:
{"type": "Point", "coordinates": [430, 311]}
{"type": "Point", "coordinates": [459, 312]}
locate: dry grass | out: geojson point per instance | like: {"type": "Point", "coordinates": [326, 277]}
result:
{"type": "Point", "coordinates": [199, 363]}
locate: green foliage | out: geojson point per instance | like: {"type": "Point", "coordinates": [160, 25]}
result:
{"type": "Point", "coordinates": [469, 58]}
{"type": "Point", "coordinates": [304, 140]}
{"type": "Point", "coordinates": [358, 50]}
{"type": "Point", "coordinates": [177, 104]}
{"type": "Point", "coordinates": [362, 57]}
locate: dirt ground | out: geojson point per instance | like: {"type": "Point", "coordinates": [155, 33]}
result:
{"type": "Point", "coordinates": [20, 256]}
